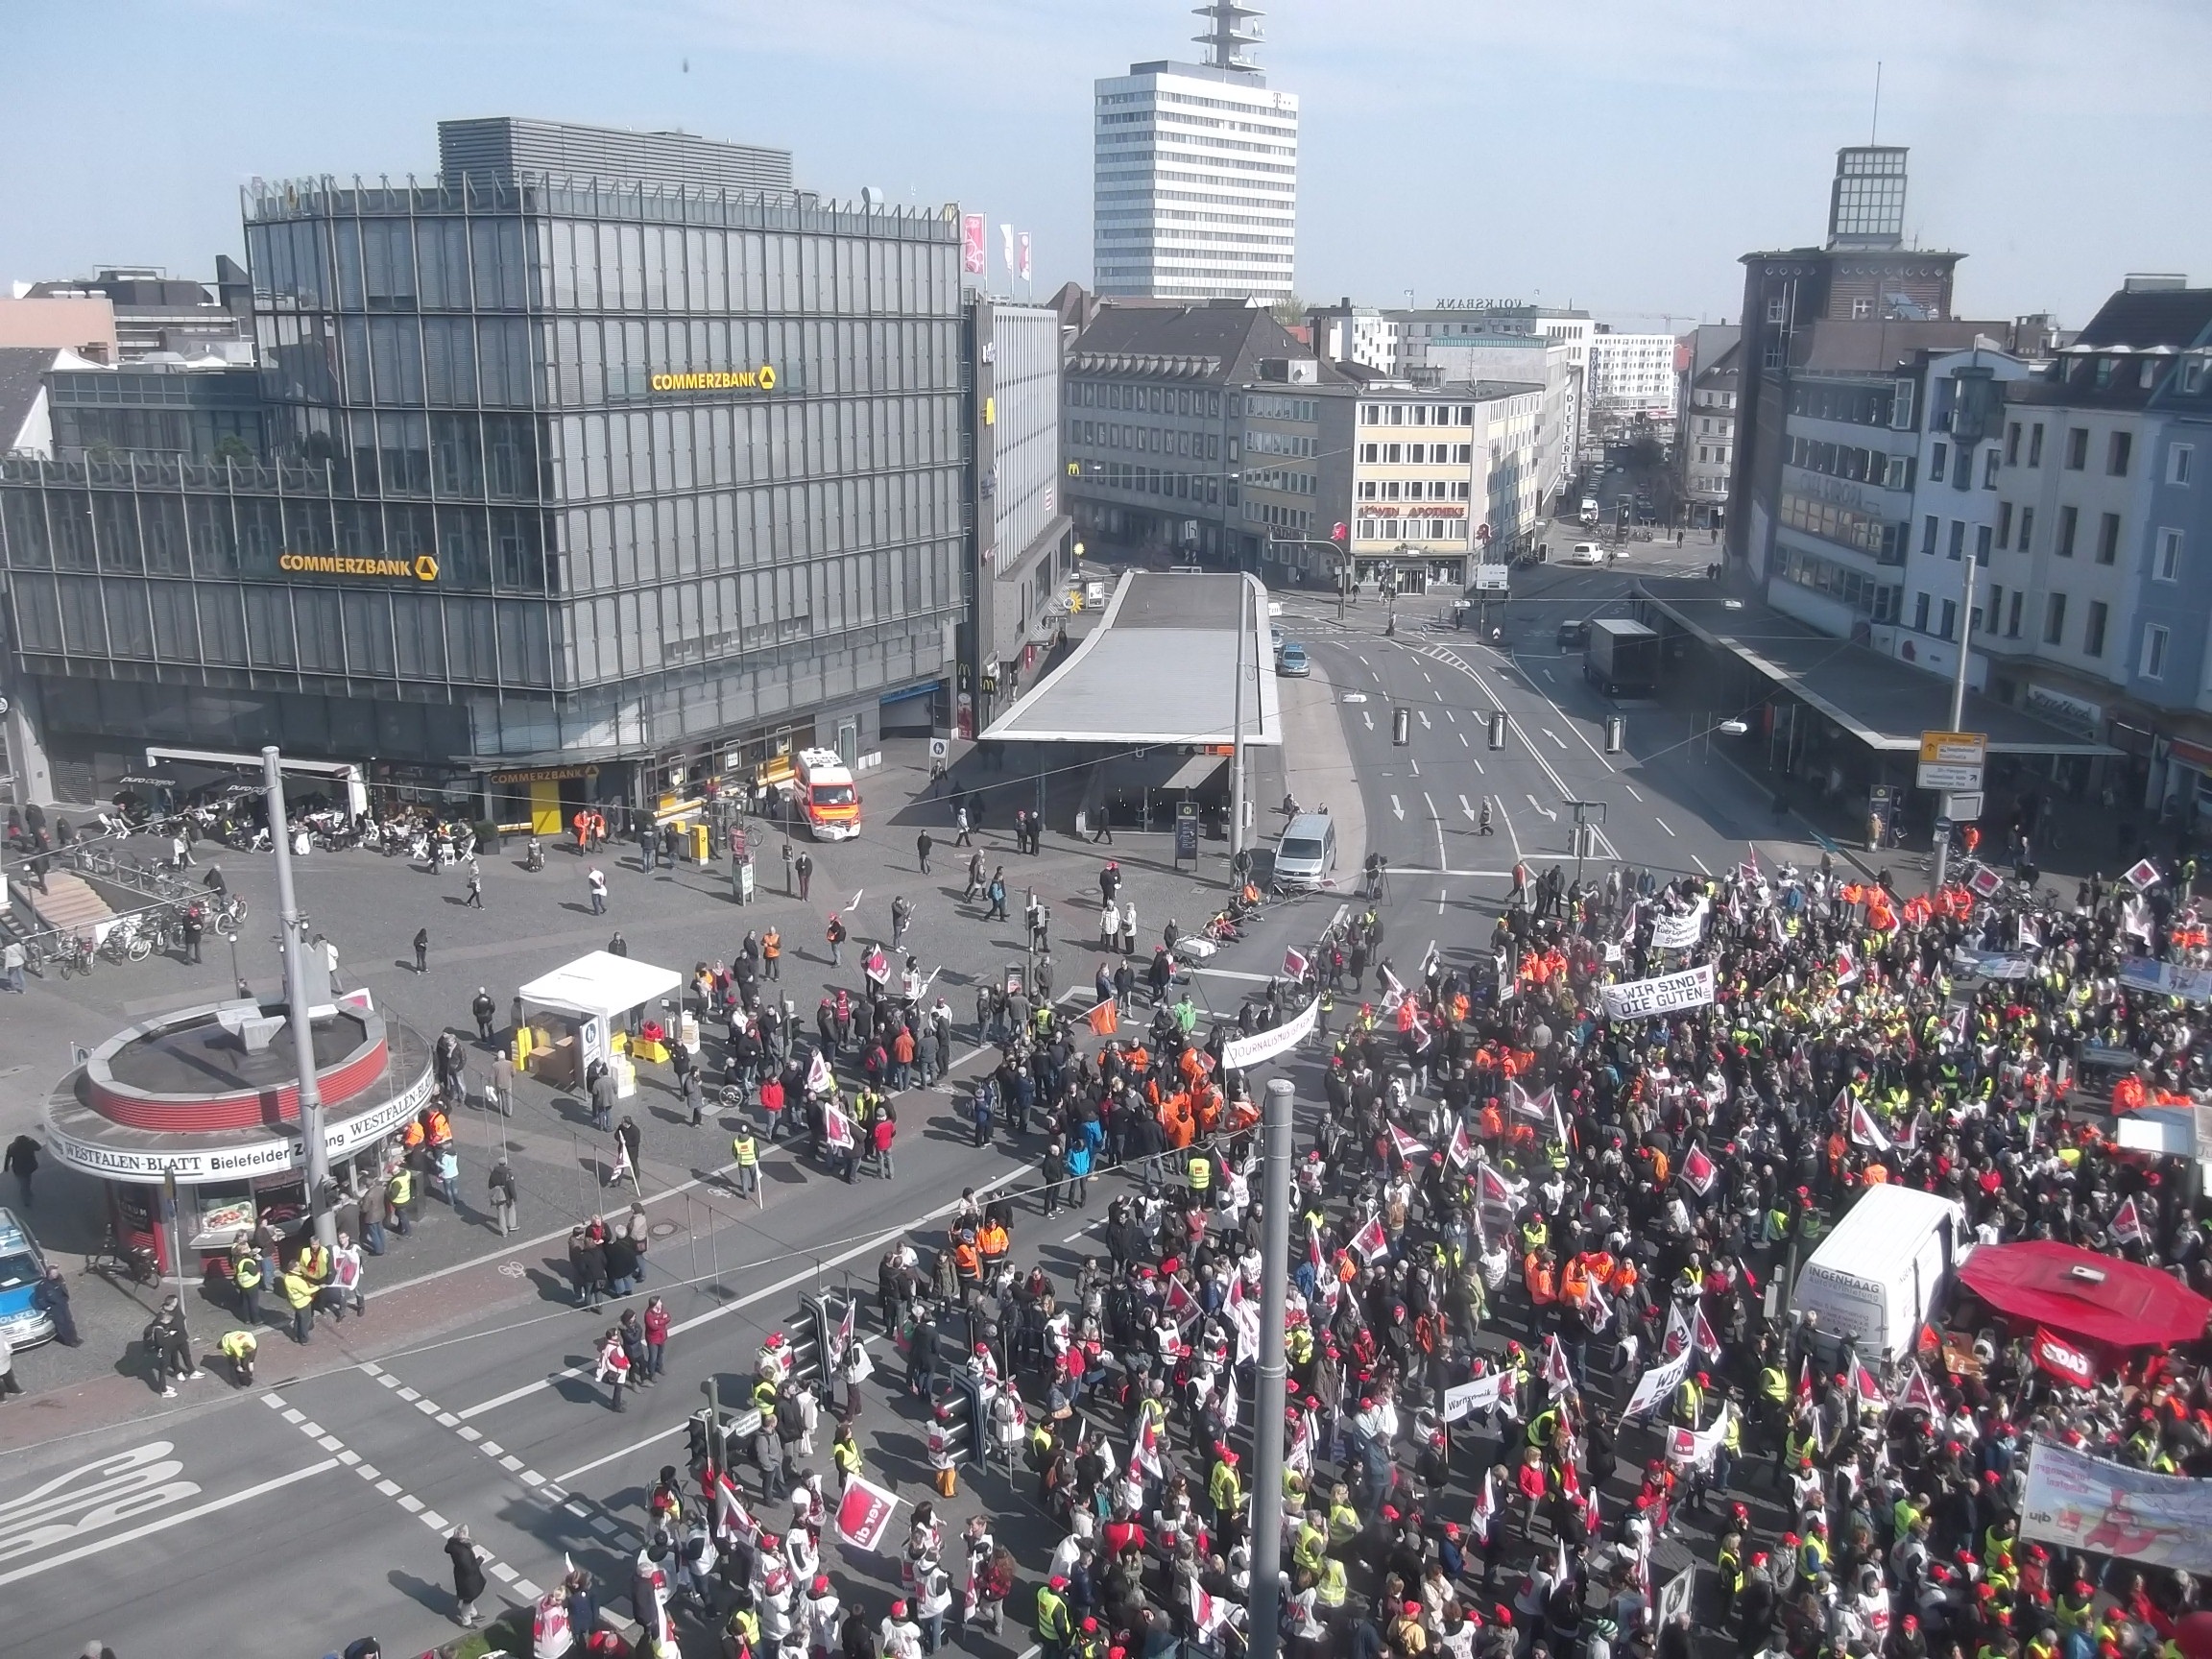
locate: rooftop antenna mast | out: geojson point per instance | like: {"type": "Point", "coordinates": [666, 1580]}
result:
{"type": "Point", "coordinates": [1229, 36]}
{"type": "Point", "coordinates": [1874, 130]}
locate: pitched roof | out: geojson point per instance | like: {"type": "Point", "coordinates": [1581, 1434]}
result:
{"type": "Point", "coordinates": [22, 376]}
{"type": "Point", "coordinates": [1221, 342]}
{"type": "Point", "coordinates": [2175, 317]}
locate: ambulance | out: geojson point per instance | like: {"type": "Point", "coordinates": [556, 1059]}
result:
{"type": "Point", "coordinates": [828, 798]}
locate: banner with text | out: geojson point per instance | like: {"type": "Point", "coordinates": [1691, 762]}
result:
{"type": "Point", "coordinates": [2167, 978]}
{"type": "Point", "coordinates": [1465, 1398]}
{"type": "Point", "coordinates": [1679, 932]}
{"type": "Point", "coordinates": [1668, 994]}
{"type": "Point", "coordinates": [2077, 1501]}
{"type": "Point", "coordinates": [1242, 1053]}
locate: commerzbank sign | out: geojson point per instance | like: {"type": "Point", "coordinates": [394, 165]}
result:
{"type": "Point", "coordinates": [760, 379]}
{"type": "Point", "coordinates": [423, 567]}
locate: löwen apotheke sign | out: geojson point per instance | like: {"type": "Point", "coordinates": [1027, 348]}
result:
{"type": "Point", "coordinates": [760, 379]}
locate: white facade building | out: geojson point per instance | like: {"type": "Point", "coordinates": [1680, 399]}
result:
{"type": "Point", "coordinates": [1632, 375]}
{"type": "Point", "coordinates": [1195, 175]}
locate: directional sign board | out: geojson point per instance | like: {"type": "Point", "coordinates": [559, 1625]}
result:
{"type": "Point", "coordinates": [1951, 760]}
{"type": "Point", "coordinates": [1492, 579]}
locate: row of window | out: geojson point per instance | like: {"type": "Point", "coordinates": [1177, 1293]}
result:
{"type": "Point", "coordinates": [1266, 407]}
{"type": "Point", "coordinates": [1153, 440]}
{"type": "Point", "coordinates": [1416, 414]}
{"type": "Point", "coordinates": [1152, 481]}
{"type": "Point", "coordinates": [1414, 490]}
{"type": "Point", "coordinates": [1861, 405]}
{"type": "Point", "coordinates": [1299, 518]}
{"type": "Point", "coordinates": [1713, 454]}
{"type": "Point", "coordinates": [1875, 600]}
{"type": "Point", "coordinates": [1281, 478]}
{"type": "Point", "coordinates": [1412, 529]}
{"type": "Point", "coordinates": [1417, 454]}
{"type": "Point", "coordinates": [1259, 442]}
{"type": "Point", "coordinates": [1848, 460]}
{"type": "Point", "coordinates": [1149, 399]}
{"type": "Point", "coordinates": [1884, 539]}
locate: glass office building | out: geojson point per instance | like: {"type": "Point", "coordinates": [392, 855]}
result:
{"type": "Point", "coordinates": [549, 487]}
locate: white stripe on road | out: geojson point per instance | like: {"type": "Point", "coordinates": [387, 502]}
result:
{"type": "Point", "coordinates": [102, 1546]}
{"type": "Point", "coordinates": [1631, 788]}
{"type": "Point", "coordinates": [864, 1248]}
{"type": "Point", "coordinates": [1662, 823]}
{"type": "Point", "coordinates": [615, 1456]}
{"type": "Point", "coordinates": [1701, 863]}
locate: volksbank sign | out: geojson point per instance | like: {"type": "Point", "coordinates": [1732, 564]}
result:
{"type": "Point", "coordinates": [760, 379]}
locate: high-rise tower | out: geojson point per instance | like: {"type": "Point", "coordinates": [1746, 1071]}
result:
{"type": "Point", "coordinates": [1196, 184]}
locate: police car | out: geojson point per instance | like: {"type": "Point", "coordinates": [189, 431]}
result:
{"type": "Point", "coordinates": [21, 1267]}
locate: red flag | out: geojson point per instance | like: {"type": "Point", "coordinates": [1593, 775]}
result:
{"type": "Point", "coordinates": [1918, 1393]}
{"type": "Point", "coordinates": [1492, 1188]}
{"type": "Point", "coordinates": [1908, 1134]}
{"type": "Point", "coordinates": [1701, 1336]}
{"type": "Point", "coordinates": [1182, 1305]}
{"type": "Point", "coordinates": [1537, 1107]}
{"type": "Point", "coordinates": [1863, 1383]}
{"type": "Point", "coordinates": [1698, 1171]}
{"type": "Point", "coordinates": [2127, 1224]}
{"type": "Point", "coordinates": [1556, 1374]}
{"type": "Point", "coordinates": [1460, 1152]}
{"type": "Point", "coordinates": [864, 1514]}
{"type": "Point", "coordinates": [1406, 1147]}
{"type": "Point", "coordinates": [837, 1125]}
{"type": "Point", "coordinates": [1805, 1378]}
{"type": "Point", "coordinates": [2063, 1359]}
{"type": "Point", "coordinates": [1485, 1503]}
{"type": "Point", "coordinates": [1294, 964]}
{"type": "Point", "coordinates": [1677, 1336]}
{"type": "Point", "coordinates": [1105, 1019]}
{"type": "Point", "coordinates": [1371, 1241]}
{"type": "Point", "coordinates": [2143, 875]}
{"type": "Point", "coordinates": [1320, 1262]}
{"type": "Point", "coordinates": [1864, 1131]}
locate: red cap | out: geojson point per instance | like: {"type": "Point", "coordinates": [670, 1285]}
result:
{"type": "Point", "coordinates": [1058, 1581]}
{"type": "Point", "coordinates": [898, 1609]}
{"type": "Point", "coordinates": [821, 1583]}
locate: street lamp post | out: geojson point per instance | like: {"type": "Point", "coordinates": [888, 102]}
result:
{"type": "Point", "coordinates": [311, 1132]}
{"type": "Point", "coordinates": [1266, 1534]}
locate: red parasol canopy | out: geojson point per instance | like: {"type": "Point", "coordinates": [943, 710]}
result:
{"type": "Point", "coordinates": [2099, 1298]}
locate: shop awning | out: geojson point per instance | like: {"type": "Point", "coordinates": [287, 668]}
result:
{"type": "Point", "coordinates": [1879, 701]}
{"type": "Point", "coordinates": [2079, 1293]}
{"type": "Point", "coordinates": [1161, 667]}
{"type": "Point", "coordinates": [601, 985]}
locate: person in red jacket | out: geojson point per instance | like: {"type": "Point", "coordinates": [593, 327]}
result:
{"type": "Point", "coordinates": [655, 1336]}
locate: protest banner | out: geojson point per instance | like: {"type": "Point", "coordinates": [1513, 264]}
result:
{"type": "Point", "coordinates": [1669, 993]}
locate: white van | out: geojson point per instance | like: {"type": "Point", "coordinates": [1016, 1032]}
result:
{"type": "Point", "coordinates": [1307, 854]}
{"type": "Point", "coordinates": [1882, 1273]}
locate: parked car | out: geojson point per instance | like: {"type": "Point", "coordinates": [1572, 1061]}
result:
{"type": "Point", "coordinates": [1291, 660]}
{"type": "Point", "coordinates": [21, 1268]}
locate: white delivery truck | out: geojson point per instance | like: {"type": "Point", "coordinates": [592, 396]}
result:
{"type": "Point", "coordinates": [1881, 1274]}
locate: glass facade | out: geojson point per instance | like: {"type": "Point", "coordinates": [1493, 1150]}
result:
{"type": "Point", "coordinates": [535, 470]}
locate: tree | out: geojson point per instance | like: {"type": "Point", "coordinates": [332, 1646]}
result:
{"type": "Point", "coordinates": [1289, 311]}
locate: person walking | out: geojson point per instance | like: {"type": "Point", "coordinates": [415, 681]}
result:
{"type": "Point", "coordinates": [805, 869]}
{"type": "Point", "coordinates": [922, 846]}
{"type": "Point", "coordinates": [22, 1163]}
{"type": "Point", "coordinates": [595, 883]}
{"type": "Point", "coordinates": [745, 1152]}
{"type": "Point", "coordinates": [835, 934]}
{"type": "Point", "coordinates": [772, 952]}
{"type": "Point", "coordinates": [961, 837]}
{"type": "Point", "coordinates": [1101, 827]}
{"type": "Point", "coordinates": [475, 898]}
{"type": "Point", "coordinates": [901, 913]}
{"type": "Point", "coordinates": [1129, 929]}
{"type": "Point", "coordinates": [11, 960]}
{"type": "Point", "coordinates": [613, 1367]}
{"type": "Point", "coordinates": [503, 1083]}
{"type": "Point", "coordinates": [421, 950]}
{"type": "Point", "coordinates": [467, 1558]}
{"type": "Point", "coordinates": [974, 877]}
{"type": "Point", "coordinates": [998, 896]}
{"type": "Point", "coordinates": [485, 1011]}
{"type": "Point", "coordinates": [504, 1210]}
{"type": "Point", "coordinates": [52, 1299]}
{"type": "Point", "coordinates": [345, 1278]}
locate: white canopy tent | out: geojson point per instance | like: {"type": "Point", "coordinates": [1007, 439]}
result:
{"type": "Point", "coordinates": [588, 993]}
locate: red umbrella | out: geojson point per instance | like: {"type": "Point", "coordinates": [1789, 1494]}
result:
{"type": "Point", "coordinates": [2099, 1298]}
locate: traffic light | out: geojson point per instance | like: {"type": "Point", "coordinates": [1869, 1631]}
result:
{"type": "Point", "coordinates": [1614, 728]}
{"type": "Point", "coordinates": [1400, 726]}
{"type": "Point", "coordinates": [1498, 730]}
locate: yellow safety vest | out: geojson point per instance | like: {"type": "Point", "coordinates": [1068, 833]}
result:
{"type": "Point", "coordinates": [747, 1154]}
{"type": "Point", "coordinates": [1201, 1175]}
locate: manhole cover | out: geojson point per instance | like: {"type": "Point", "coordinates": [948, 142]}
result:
{"type": "Point", "coordinates": [663, 1229]}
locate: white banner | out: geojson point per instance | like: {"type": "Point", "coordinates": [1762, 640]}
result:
{"type": "Point", "coordinates": [1693, 1448]}
{"type": "Point", "coordinates": [2167, 978]}
{"type": "Point", "coordinates": [1691, 988]}
{"type": "Point", "coordinates": [1465, 1398]}
{"type": "Point", "coordinates": [1656, 1384]}
{"type": "Point", "coordinates": [1242, 1052]}
{"type": "Point", "coordinates": [2075, 1502]}
{"type": "Point", "coordinates": [1679, 932]}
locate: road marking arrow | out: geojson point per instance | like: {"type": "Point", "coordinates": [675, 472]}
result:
{"type": "Point", "coordinates": [1541, 807]}
{"type": "Point", "coordinates": [1423, 713]}
{"type": "Point", "coordinates": [1397, 811]}
{"type": "Point", "coordinates": [1466, 809]}
{"type": "Point", "coordinates": [1555, 737]}
{"type": "Point", "coordinates": [1369, 718]}
{"type": "Point", "coordinates": [1354, 696]}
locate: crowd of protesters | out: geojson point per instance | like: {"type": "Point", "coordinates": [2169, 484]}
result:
{"type": "Point", "coordinates": [1499, 1185]}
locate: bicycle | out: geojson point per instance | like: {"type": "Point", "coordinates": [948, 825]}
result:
{"type": "Point", "coordinates": [113, 1258]}
{"type": "Point", "coordinates": [74, 956]}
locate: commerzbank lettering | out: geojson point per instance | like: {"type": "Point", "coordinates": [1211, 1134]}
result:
{"type": "Point", "coordinates": [760, 379]}
{"type": "Point", "coordinates": [423, 567]}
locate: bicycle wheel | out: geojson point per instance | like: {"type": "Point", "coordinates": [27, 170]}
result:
{"type": "Point", "coordinates": [140, 948]}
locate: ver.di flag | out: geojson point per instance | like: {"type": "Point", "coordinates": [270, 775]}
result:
{"type": "Point", "coordinates": [837, 1126]}
{"type": "Point", "coordinates": [1918, 1394]}
{"type": "Point", "coordinates": [1698, 1171]}
{"type": "Point", "coordinates": [2141, 875]}
{"type": "Point", "coordinates": [1371, 1241]}
{"type": "Point", "coordinates": [2127, 1223]}
{"type": "Point", "coordinates": [1406, 1147]}
{"type": "Point", "coordinates": [1485, 1505]}
{"type": "Point", "coordinates": [1557, 1377]}
{"type": "Point", "coordinates": [864, 1514]}
{"type": "Point", "coordinates": [1864, 1131]}
{"type": "Point", "coordinates": [1462, 1151]}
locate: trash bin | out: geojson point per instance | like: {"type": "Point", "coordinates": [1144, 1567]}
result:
{"type": "Point", "coordinates": [702, 839]}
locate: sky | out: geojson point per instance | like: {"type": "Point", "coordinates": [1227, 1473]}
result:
{"type": "Point", "coordinates": [1615, 154]}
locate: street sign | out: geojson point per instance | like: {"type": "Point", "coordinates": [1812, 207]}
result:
{"type": "Point", "coordinates": [1492, 578]}
{"type": "Point", "coordinates": [1951, 760]}
{"type": "Point", "coordinates": [1186, 830]}
{"type": "Point", "coordinates": [1962, 808]}
{"type": "Point", "coordinates": [939, 748]}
